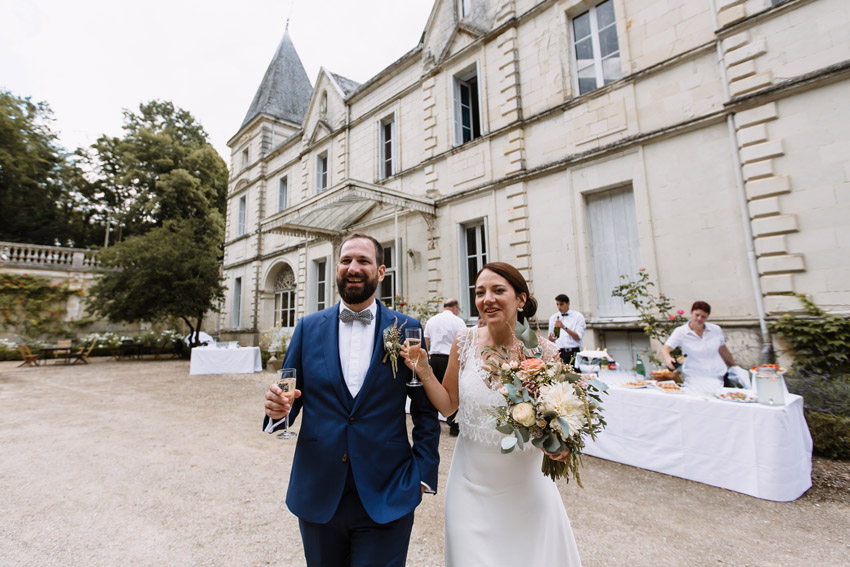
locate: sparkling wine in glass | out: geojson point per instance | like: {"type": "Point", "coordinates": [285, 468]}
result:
{"type": "Point", "coordinates": [413, 340]}
{"type": "Point", "coordinates": [286, 382]}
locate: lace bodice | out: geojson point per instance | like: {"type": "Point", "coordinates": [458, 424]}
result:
{"type": "Point", "coordinates": [475, 392]}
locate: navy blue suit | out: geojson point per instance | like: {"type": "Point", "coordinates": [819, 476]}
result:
{"type": "Point", "coordinates": [363, 440]}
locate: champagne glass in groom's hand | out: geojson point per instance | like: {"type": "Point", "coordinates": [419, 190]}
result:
{"type": "Point", "coordinates": [286, 383]}
{"type": "Point", "coordinates": [413, 341]}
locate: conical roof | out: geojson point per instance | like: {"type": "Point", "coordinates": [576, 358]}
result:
{"type": "Point", "coordinates": [285, 91]}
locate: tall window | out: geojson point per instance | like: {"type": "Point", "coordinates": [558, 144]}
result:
{"type": "Point", "coordinates": [388, 288]}
{"type": "Point", "coordinates": [244, 158]}
{"type": "Point", "coordinates": [596, 47]}
{"type": "Point", "coordinates": [467, 110]}
{"type": "Point", "coordinates": [282, 193]}
{"type": "Point", "coordinates": [236, 315]}
{"type": "Point", "coordinates": [465, 8]}
{"type": "Point", "coordinates": [386, 149]}
{"type": "Point", "coordinates": [321, 172]}
{"type": "Point", "coordinates": [284, 298]}
{"type": "Point", "coordinates": [474, 255]}
{"type": "Point", "coordinates": [614, 244]}
{"type": "Point", "coordinates": [241, 214]}
{"type": "Point", "coordinates": [321, 284]}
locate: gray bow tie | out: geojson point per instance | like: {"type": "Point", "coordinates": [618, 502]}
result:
{"type": "Point", "coordinates": [347, 316]}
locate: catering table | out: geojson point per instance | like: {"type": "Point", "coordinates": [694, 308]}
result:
{"type": "Point", "coordinates": [751, 448]}
{"type": "Point", "coordinates": [243, 360]}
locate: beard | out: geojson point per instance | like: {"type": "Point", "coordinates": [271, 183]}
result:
{"type": "Point", "coordinates": [355, 296]}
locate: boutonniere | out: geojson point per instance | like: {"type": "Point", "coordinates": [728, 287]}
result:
{"type": "Point", "coordinates": [392, 344]}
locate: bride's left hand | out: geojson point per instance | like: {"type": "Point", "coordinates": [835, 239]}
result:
{"type": "Point", "coordinates": [562, 457]}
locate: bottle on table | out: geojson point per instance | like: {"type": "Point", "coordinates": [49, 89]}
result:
{"type": "Point", "coordinates": [640, 369]}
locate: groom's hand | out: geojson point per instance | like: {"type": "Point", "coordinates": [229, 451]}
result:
{"type": "Point", "coordinates": [277, 405]}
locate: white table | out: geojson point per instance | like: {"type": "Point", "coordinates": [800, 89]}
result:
{"type": "Point", "coordinates": [758, 450]}
{"type": "Point", "coordinates": [243, 360]}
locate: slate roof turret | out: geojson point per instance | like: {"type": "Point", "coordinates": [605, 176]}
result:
{"type": "Point", "coordinates": [285, 91]}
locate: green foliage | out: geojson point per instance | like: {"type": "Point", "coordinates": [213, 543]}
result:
{"type": "Point", "coordinates": [655, 312]}
{"type": "Point", "coordinates": [830, 435]}
{"type": "Point", "coordinates": [422, 311]}
{"type": "Point", "coordinates": [35, 175]}
{"type": "Point", "coordinates": [32, 307]}
{"type": "Point", "coordinates": [819, 341]}
{"type": "Point", "coordinates": [170, 272]}
{"type": "Point", "coordinates": [163, 168]}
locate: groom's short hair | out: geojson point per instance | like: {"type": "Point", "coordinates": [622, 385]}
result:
{"type": "Point", "coordinates": [379, 250]}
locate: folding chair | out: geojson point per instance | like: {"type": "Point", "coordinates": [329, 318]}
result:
{"type": "Point", "coordinates": [29, 359]}
{"type": "Point", "coordinates": [83, 354]}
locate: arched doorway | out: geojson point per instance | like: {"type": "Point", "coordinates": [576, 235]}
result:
{"type": "Point", "coordinates": [284, 298]}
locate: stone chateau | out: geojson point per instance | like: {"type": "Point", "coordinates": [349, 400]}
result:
{"type": "Point", "coordinates": [707, 141]}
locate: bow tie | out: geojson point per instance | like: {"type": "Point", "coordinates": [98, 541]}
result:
{"type": "Point", "coordinates": [347, 316]}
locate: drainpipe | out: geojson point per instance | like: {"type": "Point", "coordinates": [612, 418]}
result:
{"type": "Point", "coordinates": [767, 353]}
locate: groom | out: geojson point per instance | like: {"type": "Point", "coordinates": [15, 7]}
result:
{"type": "Point", "coordinates": [355, 478]}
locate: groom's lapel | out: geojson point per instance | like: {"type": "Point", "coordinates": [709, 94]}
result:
{"type": "Point", "coordinates": [384, 319]}
{"type": "Point", "coordinates": [330, 342]}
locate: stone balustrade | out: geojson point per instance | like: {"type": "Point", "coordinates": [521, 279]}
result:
{"type": "Point", "coordinates": [18, 255]}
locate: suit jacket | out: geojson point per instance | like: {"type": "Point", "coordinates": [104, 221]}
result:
{"type": "Point", "coordinates": [367, 433]}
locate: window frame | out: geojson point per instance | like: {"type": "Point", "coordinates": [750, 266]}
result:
{"type": "Point", "coordinates": [236, 312]}
{"type": "Point", "coordinates": [385, 146]}
{"type": "Point", "coordinates": [321, 283]}
{"type": "Point", "coordinates": [322, 171]}
{"type": "Point", "coordinates": [598, 60]}
{"type": "Point", "coordinates": [242, 216]}
{"type": "Point", "coordinates": [460, 80]}
{"type": "Point", "coordinates": [282, 193]}
{"type": "Point", "coordinates": [245, 159]}
{"type": "Point", "coordinates": [392, 274]}
{"type": "Point", "coordinates": [482, 256]}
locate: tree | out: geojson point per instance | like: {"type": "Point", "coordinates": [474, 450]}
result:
{"type": "Point", "coordinates": [31, 173]}
{"type": "Point", "coordinates": [170, 272]}
{"type": "Point", "coordinates": [164, 186]}
{"type": "Point", "coordinates": [162, 168]}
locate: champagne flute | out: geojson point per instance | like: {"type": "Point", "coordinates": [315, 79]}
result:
{"type": "Point", "coordinates": [286, 382]}
{"type": "Point", "coordinates": [413, 340]}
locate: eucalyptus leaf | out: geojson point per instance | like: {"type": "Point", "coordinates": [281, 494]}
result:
{"type": "Point", "coordinates": [599, 385]}
{"type": "Point", "coordinates": [551, 443]}
{"type": "Point", "coordinates": [508, 444]}
{"type": "Point", "coordinates": [505, 428]}
{"type": "Point", "coordinates": [537, 442]}
{"type": "Point", "coordinates": [518, 437]}
{"type": "Point", "coordinates": [524, 433]}
{"type": "Point", "coordinates": [564, 426]}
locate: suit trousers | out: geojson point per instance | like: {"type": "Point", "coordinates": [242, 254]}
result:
{"type": "Point", "coordinates": [439, 362]}
{"type": "Point", "coordinates": [352, 538]}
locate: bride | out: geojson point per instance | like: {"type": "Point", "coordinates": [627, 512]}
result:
{"type": "Point", "coordinates": [500, 510]}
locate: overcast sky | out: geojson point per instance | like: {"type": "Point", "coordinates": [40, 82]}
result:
{"type": "Point", "coordinates": [89, 59]}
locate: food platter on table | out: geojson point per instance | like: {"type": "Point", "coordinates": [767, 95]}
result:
{"type": "Point", "coordinates": [635, 384]}
{"type": "Point", "coordinates": [669, 386]}
{"type": "Point", "coordinates": [667, 375]}
{"type": "Point", "coordinates": [736, 396]}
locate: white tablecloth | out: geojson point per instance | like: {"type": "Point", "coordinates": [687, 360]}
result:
{"type": "Point", "coordinates": [243, 360]}
{"type": "Point", "coordinates": [758, 450]}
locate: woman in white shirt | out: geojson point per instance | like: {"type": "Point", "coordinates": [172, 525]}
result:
{"type": "Point", "coordinates": [707, 358]}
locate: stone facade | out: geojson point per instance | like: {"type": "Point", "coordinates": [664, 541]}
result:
{"type": "Point", "coordinates": [713, 151]}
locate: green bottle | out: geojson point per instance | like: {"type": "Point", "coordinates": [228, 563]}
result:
{"type": "Point", "coordinates": [639, 367]}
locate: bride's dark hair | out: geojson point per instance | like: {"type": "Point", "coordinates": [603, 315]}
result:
{"type": "Point", "coordinates": [518, 283]}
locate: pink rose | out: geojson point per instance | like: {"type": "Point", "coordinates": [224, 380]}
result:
{"type": "Point", "coordinates": [642, 269]}
{"type": "Point", "coordinates": [680, 312]}
{"type": "Point", "coordinates": [672, 317]}
{"type": "Point", "coordinates": [532, 364]}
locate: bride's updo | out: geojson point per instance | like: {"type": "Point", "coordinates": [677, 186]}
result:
{"type": "Point", "coordinates": [519, 285]}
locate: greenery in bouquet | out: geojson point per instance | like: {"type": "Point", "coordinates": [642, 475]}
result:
{"type": "Point", "coordinates": [655, 312]}
{"type": "Point", "coordinates": [548, 404]}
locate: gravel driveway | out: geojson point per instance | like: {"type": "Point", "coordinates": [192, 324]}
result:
{"type": "Point", "coordinates": [138, 463]}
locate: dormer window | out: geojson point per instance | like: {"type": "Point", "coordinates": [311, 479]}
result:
{"type": "Point", "coordinates": [321, 172]}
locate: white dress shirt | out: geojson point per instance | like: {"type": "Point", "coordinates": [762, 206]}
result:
{"type": "Point", "coordinates": [572, 320]}
{"type": "Point", "coordinates": [440, 330]}
{"type": "Point", "coordinates": [356, 344]}
{"type": "Point", "coordinates": [702, 357]}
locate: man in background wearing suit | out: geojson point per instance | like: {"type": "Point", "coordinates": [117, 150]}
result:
{"type": "Point", "coordinates": [355, 478]}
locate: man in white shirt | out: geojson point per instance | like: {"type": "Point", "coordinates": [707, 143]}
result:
{"type": "Point", "coordinates": [440, 332]}
{"type": "Point", "coordinates": [566, 329]}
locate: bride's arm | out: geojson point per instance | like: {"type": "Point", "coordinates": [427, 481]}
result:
{"type": "Point", "coordinates": [443, 396]}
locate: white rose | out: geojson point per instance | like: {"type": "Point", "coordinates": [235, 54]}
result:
{"type": "Point", "coordinates": [524, 414]}
{"type": "Point", "coordinates": [506, 366]}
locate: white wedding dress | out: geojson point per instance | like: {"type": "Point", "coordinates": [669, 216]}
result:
{"type": "Point", "coordinates": [500, 509]}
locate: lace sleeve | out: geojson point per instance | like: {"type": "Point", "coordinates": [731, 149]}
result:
{"type": "Point", "coordinates": [464, 343]}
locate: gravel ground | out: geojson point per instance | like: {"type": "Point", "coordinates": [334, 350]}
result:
{"type": "Point", "coordinates": [138, 463]}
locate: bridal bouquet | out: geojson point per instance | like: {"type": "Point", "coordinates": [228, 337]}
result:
{"type": "Point", "coordinates": [549, 405]}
